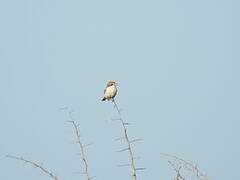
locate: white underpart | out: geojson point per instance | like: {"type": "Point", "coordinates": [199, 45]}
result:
{"type": "Point", "coordinates": [110, 92]}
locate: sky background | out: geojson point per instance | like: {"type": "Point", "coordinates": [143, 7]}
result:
{"type": "Point", "coordinates": [177, 63]}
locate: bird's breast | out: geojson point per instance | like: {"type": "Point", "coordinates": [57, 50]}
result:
{"type": "Point", "coordinates": [110, 92]}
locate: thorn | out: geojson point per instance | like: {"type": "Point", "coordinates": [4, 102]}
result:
{"type": "Point", "coordinates": [135, 140]}
{"type": "Point", "coordinates": [122, 165]}
{"type": "Point", "coordinates": [116, 119]}
{"type": "Point", "coordinates": [138, 157]}
{"type": "Point", "coordinates": [75, 142]}
{"type": "Point", "coordinates": [140, 169]}
{"type": "Point", "coordinates": [125, 149]}
{"type": "Point", "coordinates": [89, 144]}
{"type": "Point", "coordinates": [71, 132]}
{"type": "Point", "coordinates": [63, 108]}
{"type": "Point", "coordinates": [120, 138]}
{"type": "Point", "coordinates": [80, 172]}
{"type": "Point", "coordinates": [70, 121]}
{"type": "Point", "coordinates": [92, 177]}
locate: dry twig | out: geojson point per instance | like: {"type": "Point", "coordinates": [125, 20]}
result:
{"type": "Point", "coordinates": [46, 171]}
{"type": "Point", "coordinates": [129, 144]}
{"type": "Point", "coordinates": [179, 164]}
{"type": "Point", "coordinates": [81, 146]}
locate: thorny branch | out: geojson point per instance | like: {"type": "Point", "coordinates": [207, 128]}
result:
{"type": "Point", "coordinates": [177, 170]}
{"type": "Point", "coordinates": [81, 146]}
{"type": "Point", "coordinates": [179, 164]}
{"type": "Point", "coordinates": [50, 174]}
{"type": "Point", "coordinates": [129, 144]}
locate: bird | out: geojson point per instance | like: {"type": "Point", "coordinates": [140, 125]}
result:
{"type": "Point", "coordinates": [110, 91]}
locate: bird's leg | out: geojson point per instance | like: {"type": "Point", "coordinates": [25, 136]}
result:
{"type": "Point", "coordinates": [113, 101]}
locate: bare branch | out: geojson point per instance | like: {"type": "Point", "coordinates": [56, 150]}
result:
{"type": "Point", "coordinates": [46, 171]}
{"type": "Point", "coordinates": [129, 142]}
{"type": "Point", "coordinates": [177, 170]}
{"type": "Point", "coordinates": [81, 146]}
{"type": "Point", "coordinates": [179, 164]}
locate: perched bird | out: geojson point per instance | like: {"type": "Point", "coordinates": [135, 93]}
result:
{"type": "Point", "coordinates": [110, 91]}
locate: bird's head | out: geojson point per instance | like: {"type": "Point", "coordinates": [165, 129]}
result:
{"type": "Point", "coordinates": [112, 83]}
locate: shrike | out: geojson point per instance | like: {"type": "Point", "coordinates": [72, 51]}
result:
{"type": "Point", "coordinates": [110, 91]}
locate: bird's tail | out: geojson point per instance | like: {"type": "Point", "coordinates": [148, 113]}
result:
{"type": "Point", "coordinates": [103, 99]}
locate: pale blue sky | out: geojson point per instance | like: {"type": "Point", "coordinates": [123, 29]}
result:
{"type": "Point", "coordinates": [177, 63]}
